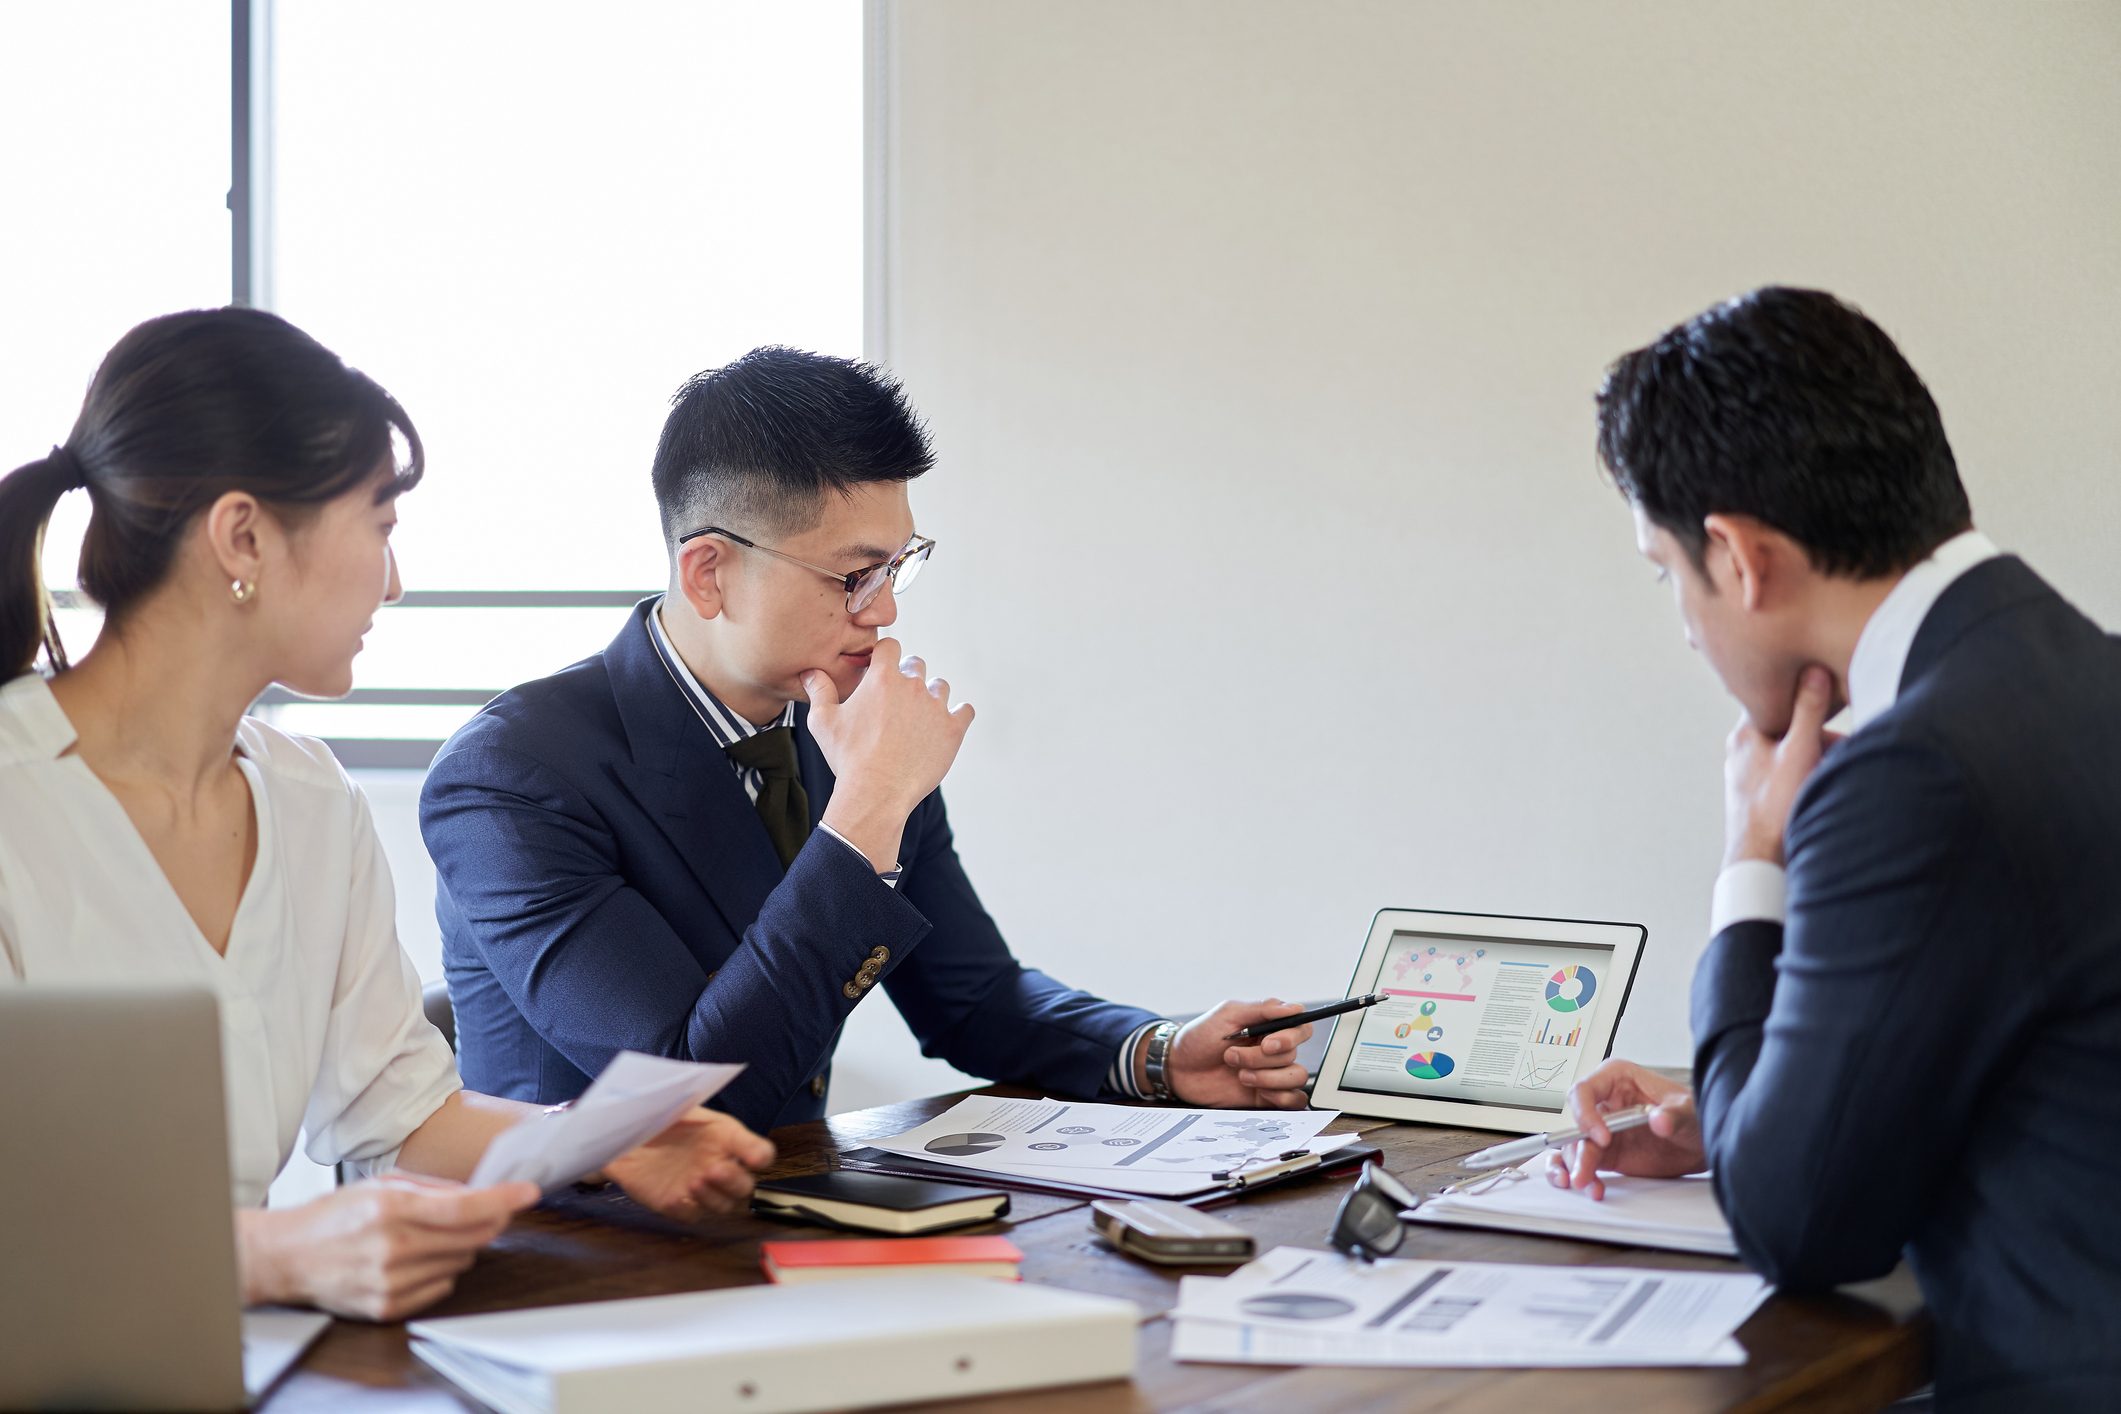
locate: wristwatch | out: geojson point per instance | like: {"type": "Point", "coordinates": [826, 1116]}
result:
{"type": "Point", "coordinates": [1158, 1060]}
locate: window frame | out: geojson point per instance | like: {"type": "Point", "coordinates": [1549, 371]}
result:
{"type": "Point", "coordinates": [250, 203]}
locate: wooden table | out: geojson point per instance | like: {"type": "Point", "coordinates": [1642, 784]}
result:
{"type": "Point", "coordinates": [1858, 1349]}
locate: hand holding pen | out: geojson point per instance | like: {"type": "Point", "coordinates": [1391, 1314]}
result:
{"type": "Point", "coordinates": [1516, 1151]}
{"type": "Point", "coordinates": [1206, 1068]}
{"type": "Point", "coordinates": [1303, 1018]}
{"type": "Point", "coordinates": [1665, 1144]}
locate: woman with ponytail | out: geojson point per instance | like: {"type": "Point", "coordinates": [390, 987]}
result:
{"type": "Point", "coordinates": [243, 483]}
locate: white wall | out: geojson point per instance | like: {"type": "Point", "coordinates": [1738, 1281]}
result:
{"type": "Point", "coordinates": [1259, 343]}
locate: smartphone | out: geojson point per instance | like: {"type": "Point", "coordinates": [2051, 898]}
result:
{"type": "Point", "coordinates": [1170, 1234]}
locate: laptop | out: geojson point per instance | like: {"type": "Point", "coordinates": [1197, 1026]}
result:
{"type": "Point", "coordinates": [118, 1284]}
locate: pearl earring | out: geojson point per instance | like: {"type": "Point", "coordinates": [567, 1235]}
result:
{"type": "Point", "coordinates": [240, 591]}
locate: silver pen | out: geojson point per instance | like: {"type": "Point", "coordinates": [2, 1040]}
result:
{"type": "Point", "coordinates": [1518, 1150]}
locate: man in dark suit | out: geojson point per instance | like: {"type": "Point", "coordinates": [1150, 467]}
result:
{"type": "Point", "coordinates": [1908, 1021]}
{"type": "Point", "coordinates": [713, 839]}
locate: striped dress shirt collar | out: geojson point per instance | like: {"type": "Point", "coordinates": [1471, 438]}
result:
{"type": "Point", "coordinates": [727, 727]}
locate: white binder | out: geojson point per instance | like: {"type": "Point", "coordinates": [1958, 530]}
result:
{"type": "Point", "coordinates": [784, 1350]}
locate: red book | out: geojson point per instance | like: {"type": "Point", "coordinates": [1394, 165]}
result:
{"type": "Point", "coordinates": [828, 1260]}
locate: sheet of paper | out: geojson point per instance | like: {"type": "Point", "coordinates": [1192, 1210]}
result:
{"type": "Point", "coordinates": [1475, 1313]}
{"type": "Point", "coordinates": [636, 1098]}
{"type": "Point", "coordinates": [1212, 1342]}
{"type": "Point", "coordinates": [1103, 1142]}
{"type": "Point", "coordinates": [1657, 1212]}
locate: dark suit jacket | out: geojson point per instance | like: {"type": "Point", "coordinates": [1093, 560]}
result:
{"type": "Point", "coordinates": [605, 884]}
{"type": "Point", "coordinates": [1927, 1057]}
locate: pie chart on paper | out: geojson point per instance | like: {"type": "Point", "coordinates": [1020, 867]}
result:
{"type": "Point", "coordinates": [959, 1146]}
{"type": "Point", "coordinates": [1298, 1305]}
{"type": "Point", "coordinates": [1430, 1065]}
{"type": "Point", "coordinates": [1571, 988]}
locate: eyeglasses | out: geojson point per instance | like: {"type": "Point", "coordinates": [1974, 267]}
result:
{"type": "Point", "coordinates": [863, 585]}
{"type": "Point", "coordinates": [1367, 1226]}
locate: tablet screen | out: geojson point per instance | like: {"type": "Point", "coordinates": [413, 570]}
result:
{"type": "Point", "coordinates": [1481, 1020]}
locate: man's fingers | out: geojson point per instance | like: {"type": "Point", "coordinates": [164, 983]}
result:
{"type": "Point", "coordinates": [1583, 1173]}
{"type": "Point", "coordinates": [1264, 1054]}
{"type": "Point", "coordinates": [818, 687]}
{"type": "Point", "coordinates": [1584, 1110]}
{"type": "Point", "coordinates": [1281, 1077]}
{"type": "Point", "coordinates": [1815, 700]}
{"type": "Point", "coordinates": [1285, 1043]}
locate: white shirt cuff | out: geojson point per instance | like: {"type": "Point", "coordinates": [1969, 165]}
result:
{"type": "Point", "coordinates": [1120, 1078]}
{"type": "Point", "coordinates": [889, 876]}
{"type": "Point", "coordinates": [1752, 890]}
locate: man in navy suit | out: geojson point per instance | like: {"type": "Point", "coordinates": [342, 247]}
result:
{"type": "Point", "coordinates": [1908, 1021]}
{"type": "Point", "coordinates": [713, 839]}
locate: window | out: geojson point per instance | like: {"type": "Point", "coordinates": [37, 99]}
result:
{"type": "Point", "coordinates": [529, 225]}
{"type": "Point", "coordinates": [533, 263]}
{"type": "Point", "coordinates": [111, 217]}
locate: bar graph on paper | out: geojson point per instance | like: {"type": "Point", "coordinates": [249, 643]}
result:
{"type": "Point", "coordinates": [1556, 1031]}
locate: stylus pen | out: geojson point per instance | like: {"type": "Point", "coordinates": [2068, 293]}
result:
{"type": "Point", "coordinates": [1518, 1150]}
{"type": "Point", "coordinates": [1282, 1023]}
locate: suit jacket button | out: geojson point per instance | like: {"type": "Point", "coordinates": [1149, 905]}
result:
{"type": "Point", "coordinates": [880, 955]}
{"type": "Point", "coordinates": [817, 1086]}
{"type": "Point", "coordinates": [851, 992]}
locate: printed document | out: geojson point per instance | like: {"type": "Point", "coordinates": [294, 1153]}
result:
{"type": "Point", "coordinates": [1101, 1144]}
{"type": "Point", "coordinates": [1299, 1306]}
{"type": "Point", "coordinates": [1676, 1213]}
{"type": "Point", "coordinates": [636, 1098]}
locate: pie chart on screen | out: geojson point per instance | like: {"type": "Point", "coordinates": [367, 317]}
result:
{"type": "Point", "coordinates": [1571, 988]}
{"type": "Point", "coordinates": [1430, 1065]}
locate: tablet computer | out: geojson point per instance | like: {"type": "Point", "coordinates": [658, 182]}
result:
{"type": "Point", "coordinates": [1487, 1021]}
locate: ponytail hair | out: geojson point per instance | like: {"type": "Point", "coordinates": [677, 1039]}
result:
{"type": "Point", "coordinates": [27, 498]}
{"type": "Point", "coordinates": [185, 409]}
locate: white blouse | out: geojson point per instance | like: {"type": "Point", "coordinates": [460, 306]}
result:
{"type": "Point", "coordinates": [321, 1026]}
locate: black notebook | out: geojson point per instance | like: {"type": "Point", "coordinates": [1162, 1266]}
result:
{"type": "Point", "coordinates": [875, 1202]}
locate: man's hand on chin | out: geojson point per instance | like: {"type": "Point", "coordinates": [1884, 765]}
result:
{"type": "Point", "coordinates": [1206, 1070]}
{"type": "Point", "coordinates": [1761, 775]}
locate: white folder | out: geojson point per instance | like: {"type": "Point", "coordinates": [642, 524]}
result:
{"type": "Point", "coordinates": [784, 1349]}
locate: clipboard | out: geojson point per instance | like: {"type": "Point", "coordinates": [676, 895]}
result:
{"type": "Point", "coordinates": [1212, 1191]}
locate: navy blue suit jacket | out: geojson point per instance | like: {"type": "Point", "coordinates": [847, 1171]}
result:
{"type": "Point", "coordinates": [604, 883]}
{"type": "Point", "coordinates": [1927, 1056]}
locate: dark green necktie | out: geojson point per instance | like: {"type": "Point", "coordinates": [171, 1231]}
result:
{"type": "Point", "coordinates": [784, 805]}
